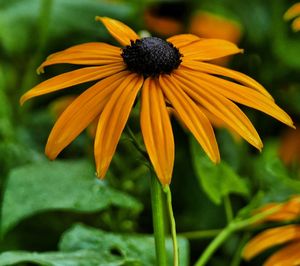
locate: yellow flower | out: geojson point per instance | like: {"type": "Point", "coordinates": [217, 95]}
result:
{"type": "Point", "coordinates": [286, 256]}
{"type": "Point", "coordinates": [173, 73]}
{"type": "Point", "coordinates": [290, 234]}
{"type": "Point", "coordinates": [287, 212]}
{"type": "Point", "coordinates": [209, 25]}
{"type": "Point", "coordinates": [289, 150]}
{"type": "Point", "coordinates": [162, 25]}
{"type": "Point", "coordinates": [294, 12]}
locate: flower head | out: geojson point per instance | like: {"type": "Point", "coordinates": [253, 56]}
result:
{"type": "Point", "coordinates": [288, 234]}
{"type": "Point", "coordinates": [172, 73]}
{"type": "Point", "coordinates": [291, 13]}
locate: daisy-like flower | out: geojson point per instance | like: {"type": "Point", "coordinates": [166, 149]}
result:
{"type": "Point", "coordinates": [171, 73]}
{"type": "Point", "coordinates": [288, 235]}
{"type": "Point", "coordinates": [291, 13]}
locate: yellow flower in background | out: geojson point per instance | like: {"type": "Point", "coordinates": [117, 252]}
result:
{"type": "Point", "coordinates": [286, 256]}
{"type": "Point", "coordinates": [173, 73]}
{"type": "Point", "coordinates": [162, 25]}
{"type": "Point", "coordinates": [288, 234]}
{"type": "Point", "coordinates": [289, 150]}
{"type": "Point", "coordinates": [287, 212]}
{"type": "Point", "coordinates": [291, 13]}
{"type": "Point", "coordinates": [209, 25]}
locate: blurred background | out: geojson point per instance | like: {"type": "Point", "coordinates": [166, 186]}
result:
{"type": "Point", "coordinates": [61, 211]}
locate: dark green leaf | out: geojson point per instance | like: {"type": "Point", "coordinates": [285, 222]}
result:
{"type": "Point", "coordinates": [272, 176]}
{"type": "Point", "coordinates": [216, 180]}
{"type": "Point", "coordinates": [86, 246]}
{"type": "Point", "coordinates": [76, 258]}
{"type": "Point", "coordinates": [139, 247]}
{"type": "Point", "coordinates": [59, 185]}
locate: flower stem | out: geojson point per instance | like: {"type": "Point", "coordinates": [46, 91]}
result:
{"type": "Point", "coordinates": [234, 226]}
{"type": "Point", "coordinates": [158, 221]}
{"type": "Point", "coordinates": [228, 208]}
{"type": "Point", "coordinates": [212, 247]}
{"type": "Point", "coordinates": [201, 234]}
{"type": "Point", "coordinates": [173, 225]}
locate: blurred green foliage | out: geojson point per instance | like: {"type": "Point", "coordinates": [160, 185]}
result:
{"type": "Point", "coordinates": [42, 202]}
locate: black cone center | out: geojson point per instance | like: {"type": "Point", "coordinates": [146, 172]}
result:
{"type": "Point", "coordinates": [151, 56]}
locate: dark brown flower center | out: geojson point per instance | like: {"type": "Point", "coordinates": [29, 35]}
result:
{"type": "Point", "coordinates": [151, 56]}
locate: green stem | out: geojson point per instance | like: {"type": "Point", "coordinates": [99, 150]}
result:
{"type": "Point", "coordinates": [228, 208]}
{"type": "Point", "coordinates": [201, 234]}
{"type": "Point", "coordinates": [173, 225]}
{"type": "Point", "coordinates": [212, 247]}
{"type": "Point", "coordinates": [232, 227]}
{"type": "Point", "coordinates": [158, 221]}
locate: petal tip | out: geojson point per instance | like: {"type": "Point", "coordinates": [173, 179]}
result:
{"type": "Point", "coordinates": [22, 101]}
{"type": "Point", "coordinates": [40, 70]}
{"type": "Point", "coordinates": [98, 18]}
{"type": "Point", "coordinates": [100, 174]}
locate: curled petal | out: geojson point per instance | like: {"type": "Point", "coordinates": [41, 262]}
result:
{"type": "Point", "coordinates": [270, 238]}
{"type": "Point", "coordinates": [112, 121]}
{"type": "Point", "coordinates": [80, 113]}
{"type": "Point", "coordinates": [194, 119]}
{"type": "Point", "coordinates": [122, 33]}
{"type": "Point", "coordinates": [72, 78]}
{"type": "Point", "coordinates": [157, 130]}
{"type": "Point", "coordinates": [209, 49]}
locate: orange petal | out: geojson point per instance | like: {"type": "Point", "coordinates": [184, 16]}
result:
{"type": "Point", "coordinates": [72, 78]}
{"type": "Point", "coordinates": [183, 39]}
{"type": "Point", "coordinates": [288, 256]}
{"type": "Point", "coordinates": [192, 116]}
{"type": "Point", "coordinates": [84, 54]}
{"type": "Point", "coordinates": [209, 49]}
{"type": "Point", "coordinates": [94, 47]}
{"type": "Point", "coordinates": [220, 107]}
{"type": "Point", "coordinates": [292, 12]}
{"type": "Point", "coordinates": [270, 238]}
{"type": "Point", "coordinates": [241, 94]}
{"type": "Point", "coordinates": [157, 130]}
{"type": "Point", "coordinates": [218, 70]}
{"type": "Point", "coordinates": [80, 113]}
{"type": "Point", "coordinates": [296, 24]}
{"type": "Point", "coordinates": [288, 212]}
{"type": "Point", "coordinates": [122, 33]}
{"type": "Point", "coordinates": [112, 121]}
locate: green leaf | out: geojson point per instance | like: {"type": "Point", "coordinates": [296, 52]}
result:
{"type": "Point", "coordinates": [77, 258]}
{"type": "Point", "coordinates": [272, 176]}
{"type": "Point", "coordinates": [63, 19]}
{"type": "Point", "coordinates": [86, 246]}
{"type": "Point", "coordinates": [272, 179]}
{"type": "Point", "coordinates": [217, 180]}
{"type": "Point", "coordinates": [139, 247]}
{"type": "Point", "coordinates": [59, 185]}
